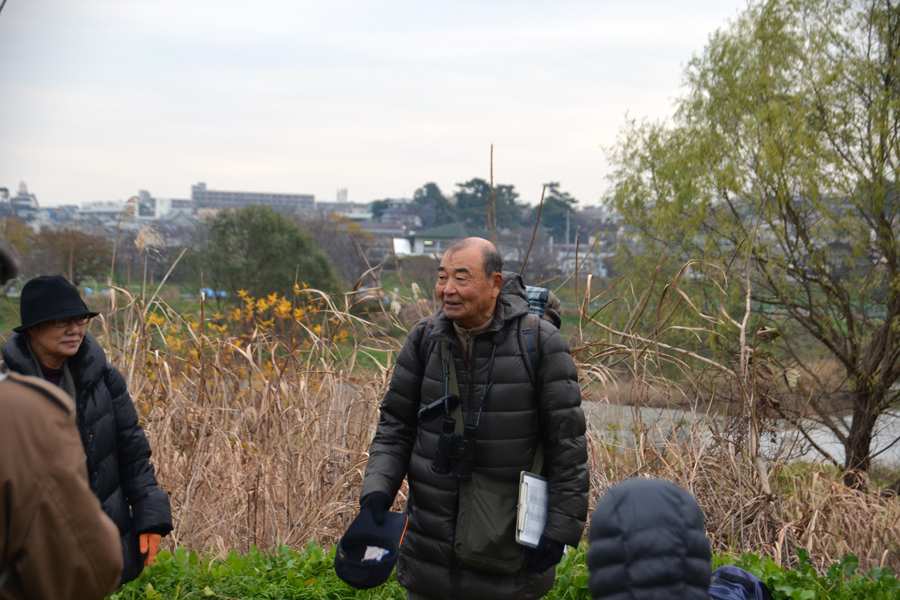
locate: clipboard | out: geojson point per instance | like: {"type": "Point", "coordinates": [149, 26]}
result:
{"type": "Point", "coordinates": [532, 510]}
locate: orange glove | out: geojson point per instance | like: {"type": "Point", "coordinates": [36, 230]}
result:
{"type": "Point", "coordinates": [150, 546]}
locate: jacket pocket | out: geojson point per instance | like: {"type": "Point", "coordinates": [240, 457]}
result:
{"type": "Point", "coordinates": [486, 526]}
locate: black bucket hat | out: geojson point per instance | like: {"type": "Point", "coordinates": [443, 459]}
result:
{"type": "Point", "coordinates": [367, 552]}
{"type": "Point", "coordinates": [49, 297]}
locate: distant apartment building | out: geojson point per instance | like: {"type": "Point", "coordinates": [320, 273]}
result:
{"type": "Point", "coordinates": [24, 205]}
{"type": "Point", "coordinates": [347, 210]}
{"type": "Point", "coordinates": [182, 206]}
{"type": "Point", "coordinates": [102, 212]}
{"type": "Point", "coordinates": [112, 213]}
{"type": "Point", "coordinates": [218, 199]}
{"type": "Point", "coordinates": [151, 208]}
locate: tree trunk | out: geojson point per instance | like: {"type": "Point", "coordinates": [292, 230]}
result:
{"type": "Point", "coordinates": [858, 445]}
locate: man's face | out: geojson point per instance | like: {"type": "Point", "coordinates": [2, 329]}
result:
{"type": "Point", "coordinates": [467, 295]}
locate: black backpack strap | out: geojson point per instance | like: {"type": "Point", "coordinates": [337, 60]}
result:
{"type": "Point", "coordinates": [425, 342]}
{"type": "Point", "coordinates": [530, 344]}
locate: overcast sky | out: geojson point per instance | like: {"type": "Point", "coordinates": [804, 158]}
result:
{"type": "Point", "coordinates": [101, 98]}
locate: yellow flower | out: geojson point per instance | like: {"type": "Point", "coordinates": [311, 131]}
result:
{"type": "Point", "coordinates": [155, 319]}
{"type": "Point", "coordinates": [283, 308]}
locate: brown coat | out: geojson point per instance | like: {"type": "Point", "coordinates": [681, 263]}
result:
{"type": "Point", "coordinates": [52, 530]}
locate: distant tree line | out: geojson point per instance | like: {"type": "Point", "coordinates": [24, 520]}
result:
{"type": "Point", "coordinates": [469, 205]}
{"type": "Point", "coordinates": [263, 251]}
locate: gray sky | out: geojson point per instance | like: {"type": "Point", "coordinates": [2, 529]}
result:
{"type": "Point", "coordinates": [100, 98]}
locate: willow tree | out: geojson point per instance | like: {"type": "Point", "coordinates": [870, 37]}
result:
{"type": "Point", "coordinates": [786, 144]}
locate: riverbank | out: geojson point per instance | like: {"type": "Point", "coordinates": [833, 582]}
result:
{"type": "Point", "coordinates": [628, 425]}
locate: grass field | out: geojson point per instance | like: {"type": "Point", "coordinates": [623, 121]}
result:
{"type": "Point", "coordinates": [308, 574]}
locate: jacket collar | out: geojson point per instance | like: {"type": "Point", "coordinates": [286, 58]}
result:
{"type": "Point", "coordinates": [86, 365]}
{"type": "Point", "coordinates": [512, 303]}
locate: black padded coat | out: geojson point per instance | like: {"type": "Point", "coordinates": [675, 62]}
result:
{"type": "Point", "coordinates": [648, 542]}
{"type": "Point", "coordinates": [515, 414]}
{"type": "Point", "coordinates": [116, 450]}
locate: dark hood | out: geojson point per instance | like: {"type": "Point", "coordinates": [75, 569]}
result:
{"type": "Point", "coordinates": [648, 542]}
{"type": "Point", "coordinates": [512, 301]}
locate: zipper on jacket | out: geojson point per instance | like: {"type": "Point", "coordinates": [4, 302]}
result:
{"type": "Point", "coordinates": [455, 574]}
{"type": "Point", "coordinates": [83, 433]}
{"type": "Point", "coordinates": [470, 369]}
{"type": "Point", "coordinates": [455, 570]}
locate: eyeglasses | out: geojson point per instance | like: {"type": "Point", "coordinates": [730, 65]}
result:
{"type": "Point", "coordinates": [62, 323]}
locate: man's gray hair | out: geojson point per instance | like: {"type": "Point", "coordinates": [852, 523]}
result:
{"type": "Point", "coordinates": [493, 261]}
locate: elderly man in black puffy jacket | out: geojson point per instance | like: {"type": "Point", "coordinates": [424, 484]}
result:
{"type": "Point", "coordinates": [460, 543]}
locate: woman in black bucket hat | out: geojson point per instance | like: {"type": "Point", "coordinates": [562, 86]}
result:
{"type": "Point", "coordinates": [52, 343]}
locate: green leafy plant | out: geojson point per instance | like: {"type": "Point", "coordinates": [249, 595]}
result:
{"type": "Point", "coordinates": [286, 573]}
{"type": "Point", "coordinates": [841, 581]}
{"type": "Point", "coordinates": [308, 574]}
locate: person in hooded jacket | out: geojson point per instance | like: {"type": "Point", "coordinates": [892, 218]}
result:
{"type": "Point", "coordinates": [648, 542]}
{"type": "Point", "coordinates": [52, 343]}
{"type": "Point", "coordinates": [478, 327]}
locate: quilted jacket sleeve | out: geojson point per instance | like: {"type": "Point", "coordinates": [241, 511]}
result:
{"type": "Point", "coordinates": [565, 445]}
{"type": "Point", "coordinates": [149, 502]}
{"type": "Point", "coordinates": [392, 445]}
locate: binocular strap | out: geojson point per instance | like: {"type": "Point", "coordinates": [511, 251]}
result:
{"type": "Point", "coordinates": [456, 413]}
{"type": "Point", "coordinates": [447, 360]}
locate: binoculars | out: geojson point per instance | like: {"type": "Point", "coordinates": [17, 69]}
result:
{"type": "Point", "coordinates": [454, 451]}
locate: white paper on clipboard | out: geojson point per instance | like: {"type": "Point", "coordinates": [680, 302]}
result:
{"type": "Point", "coordinates": [532, 515]}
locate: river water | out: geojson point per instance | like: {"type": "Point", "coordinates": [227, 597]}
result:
{"type": "Point", "coordinates": [623, 425]}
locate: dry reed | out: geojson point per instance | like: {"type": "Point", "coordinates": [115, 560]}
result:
{"type": "Point", "coordinates": [260, 434]}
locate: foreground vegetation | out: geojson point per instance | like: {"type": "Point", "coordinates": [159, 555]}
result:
{"type": "Point", "coordinates": [260, 420]}
{"type": "Point", "coordinates": [308, 574]}
{"type": "Point", "coordinates": [260, 417]}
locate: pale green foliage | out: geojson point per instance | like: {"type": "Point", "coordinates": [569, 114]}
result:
{"type": "Point", "coordinates": [783, 156]}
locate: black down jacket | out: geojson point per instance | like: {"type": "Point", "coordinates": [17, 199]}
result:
{"type": "Point", "coordinates": [515, 414]}
{"type": "Point", "coordinates": [116, 449]}
{"type": "Point", "coordinates": [648, 542]}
